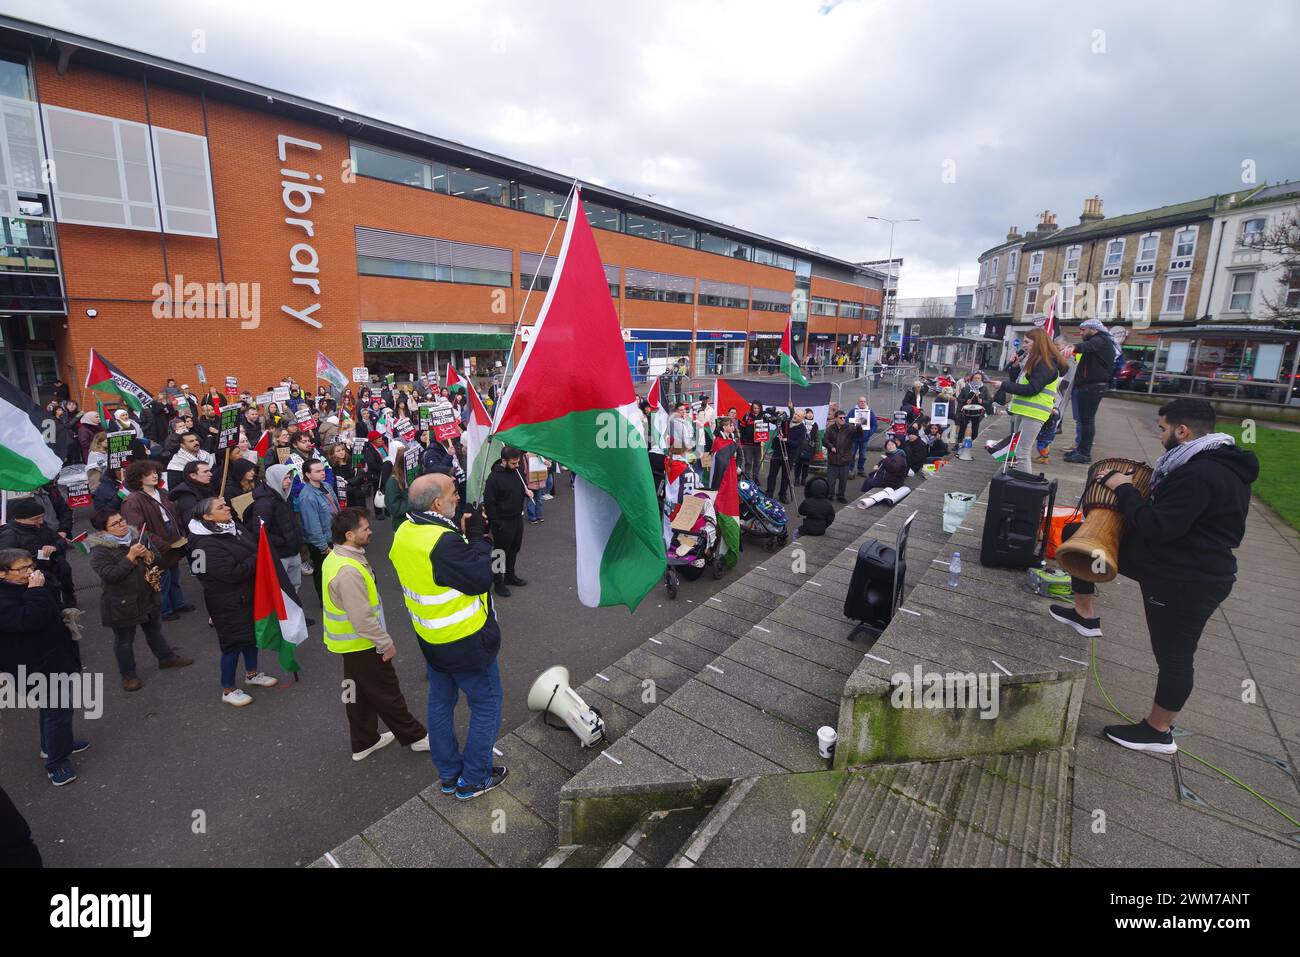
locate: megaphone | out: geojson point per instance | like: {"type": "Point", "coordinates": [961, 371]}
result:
{"type": "Point", "coordinates": [551, 694]}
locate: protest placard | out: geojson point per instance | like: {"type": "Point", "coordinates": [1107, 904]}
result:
{"type": "Point", "coordinates": [229, 435]}
{"type": "Point", "coordinates": [443, 419]}
{"type": "Point", "coordinates": [412, 463]}
{"type": "Point", "coordinates": [265, 398]}
{"type": "Point", "coordinates": [232, 386]}
{"type": "Point", "coordinates": [280, 394]}
{"type": "Point", "coordinates": [119, 448]}
{"type": "Point", "coordinates": [360, 374]}
{"type": "Point", "coordinates": [306, 421]}
{"type": "Point", "coordinates": [403, 429]}
{"type": "Point", "coordinates": [78, 494]}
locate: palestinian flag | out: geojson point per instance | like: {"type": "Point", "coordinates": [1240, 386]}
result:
{"type": "Point", "coordinates": [674, 469]}
{"type": "Point", "coordinates": [103, 376]}
{"type": "Point", "coordinates": [330, 372]}
{"type": "Point", "coordinates": [739, 393]}
{"type": "Point", "coordinates": [26, 461]}
{"type": "Point", "coordinates": [277, 615]}
{"type": "Point", "coordinates": [480, 447]}
{"type": "Point", "coordinates": [1004, 449]}
{"type": "Point", "coordinates": [263, 445]}
{"type": "Point", "coordinates": [572, 400]}
{"type": "Point", "coordinates": [789, 364]}
{"type": "Point", "coordinates": [454, 380]}
{"type": "Point", "coordinates": [659, 416]}
{"type": "Point", "coordinates": [727, 502]}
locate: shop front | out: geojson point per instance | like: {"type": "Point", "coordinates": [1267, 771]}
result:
{"type": "Point", "coordinates": [652, 352]}
{"type": "Point", "coordinates": [479, 352]}
{"type": "Point", "coordinates": [719, 353]}
{"type": "Point", "coordinates": [1257, 364]}
{"type": "Point", "coordinates": [764, 351]}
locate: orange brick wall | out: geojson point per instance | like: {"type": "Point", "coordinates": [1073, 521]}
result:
{"type": "Point", "coordinates": [114, 271]}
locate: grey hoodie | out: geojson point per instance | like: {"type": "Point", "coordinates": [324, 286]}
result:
{"type": "Point", "coordinates": [275, 479]}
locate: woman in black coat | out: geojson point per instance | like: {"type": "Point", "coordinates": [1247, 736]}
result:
{"type": "Point", "coordinates": [891, 472]}
{"type": "Point", "coordinates": [223, 556]}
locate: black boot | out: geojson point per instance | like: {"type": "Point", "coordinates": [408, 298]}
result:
{"type": "Point", "coordinates": [500, 586]}
{"type": "Point", "coordinates": [513, 579]}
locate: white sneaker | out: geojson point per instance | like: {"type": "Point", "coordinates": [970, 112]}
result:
{"type": "Point", "coordinates": [547, 498]}
{"type": "Point", "coordinates": [262, 680]}
{"type": "Point", "coordinates": [308, 569]}
{"type": "Point", "coordinates": [237, 697]}
{"type": "Point", "coordinates": [421, 745]}
{"type": "Point", "coordinates": [385, 739]}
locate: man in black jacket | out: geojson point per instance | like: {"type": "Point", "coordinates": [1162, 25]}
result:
{"type": "Point", "coordinates": [1096, 358]}
{"type": "Point", "coordinates": [504, 494]}
{"type": "Point", "coordinates": [194, 487]}
{"type": "Point", "coordinates": [1179, 548]}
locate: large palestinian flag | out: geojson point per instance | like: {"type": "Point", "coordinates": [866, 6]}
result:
{"type": "Point", "coordinates": [103, 376]}
{"type": "Point", "coordinates": [572, 400]}
{"type": "Point", "coordinates": [26, 461]}
{"type": "Point", "coordinates": [789, 364]}
{"type": "Point", "coordinates": [278, 620]}
{"type": "Point", "coordinates": [479, 446]}
{"type": "Point", "coordinates": [739, 393]}
{"type": "Point", "coordinates": [727, 503]}
{"type": "Point", "coordinates": [659, 415]}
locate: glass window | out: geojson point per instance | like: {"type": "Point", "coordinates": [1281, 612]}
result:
{"type": "Point", "coordinates": [993, 270]}
{"type": "Point", "coordinates": [185, 183]}
{"type": "Point", "coordinates": [1184, 243]}
{"type": "Point", "coordinates": [658, 287]}
{"type": "Point", "coordinates": [13, 76]}
{"type": "Point", "coordinates": [1031, 300]}
{"type": "Point", "coordinates": [468, 184]}
{"type": "Point", "coordinates": [1072, 258]}
{"type": "Point", "coordinates": [1176, 295]}
{"type": "Point", "coordinates": [712, 244]}
{"type": "Point", "coordinates": [1292, 289]}
{"type": "Point", "coordinates": [1007, 293]}
{"type": "Point", "coordinates": [1067, 301]}
{"type": "Point", "coordinates": [601, 217]}
{"type": "Point", "coordinates": [769, 300]}
{"type": "Point", "coordinates": [1106, 308]}
{"type": "Point", "coordinates": [1114, 252]}
{"type": "Point", "coordinates": [824, 307]}
{"type": "Point", "coordinates": [1013, 261]}
{"type": "Point", "coordinates": [1243, 290]}
{"type": "Point", "coordinates": [392, 166]}
{"type": "Point", "coordinates": [850, 310]}
{"type": "Point", "coordinates": [764, 256]}
{"type": "Point", "coordinates": [1140, 298]}
{"type": "Point", "coordinates": [783, 261]}
{"type": "Point", "coordinates": [1035, 263]}
{"type": "Point", "coordinates": [1252, 231]}
{"type": "Point", "coordinates": [725, 294]}
{"type": "Point", "coordinates": [681, 236]}
{"type": "Point", "coordinates": [534, 200]}
{"type": "Point", "coordinates": [105, 172]}
{"type": "Point", "coordinates": [1148, 247]}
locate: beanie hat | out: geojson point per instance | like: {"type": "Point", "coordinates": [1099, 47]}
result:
{"type": "Point", "coordinates": [25, 507]}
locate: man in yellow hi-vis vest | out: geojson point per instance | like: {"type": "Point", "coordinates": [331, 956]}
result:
{"type": "Point", "coordinates": [446, 576]}
{"type": "Point", "coordinates": [355, 631]}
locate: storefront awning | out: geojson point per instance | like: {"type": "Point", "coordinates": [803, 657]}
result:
{"type": "Point", "coordinates": [434, 341]}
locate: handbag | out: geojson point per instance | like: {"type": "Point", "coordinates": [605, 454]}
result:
{"type": "Point", "coordinates": [379, 500]}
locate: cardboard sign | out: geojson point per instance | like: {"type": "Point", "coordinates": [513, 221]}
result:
{"type": "Point", "coordinates": [306, 421]}
{"type": "Point", "coordinates": [78, 494]}
{"type": "Point", "coordinates": [280, 394]}
{"type": "Point", "coordinates": [688, 513]}
{"type": "Point", "coordinates": [443, 419]}
{"type": "Point", "coordinates": [761, 434]}
{"type": "Point", "coordinates": [232, 386]}
{"type": "Point", "coordinates": [360, 374]}
{"type": "Point", "coordinates": [265, 398]}
{"type": "Point", "coordinates": [203, 376]}
{"type": "Point", "coordinates": [282, 453]}
{"type": "Point", "coordinates": [119, 449]}
{"type": "Point", "coordinates": [403, 429]}
{"type": "Point", "coordinates": [411, 460]}
{"type": "Point", "coordinates": [939, 412]}
{"type": "Point", "coordinates": [229, 435]}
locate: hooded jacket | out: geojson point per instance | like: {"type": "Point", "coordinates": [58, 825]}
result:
{"type": "Point", "coordinates": [1187, 530]}
{"type": "Point", "coordinates": [126, 598]}
{"type": "Point", "coordinates": [32, 632]}
{"type": "Point", "coordinates": [228, 567]}
{"type": "Point", "coordinates": [816, 507]}
{"type": "Point", "coordinates": [504, 495]}
{"type": "Point", "coordinates": [186, 497]}
{"type": "Point", "coordinates": [272, 506]}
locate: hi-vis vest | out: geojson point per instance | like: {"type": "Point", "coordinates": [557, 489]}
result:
{"type": "Point", "coordinates": [1035, 406]}
{"type": "Point", "coordinates": [340, 635]}
{"type": "Point", "coordinates": [440, 615]}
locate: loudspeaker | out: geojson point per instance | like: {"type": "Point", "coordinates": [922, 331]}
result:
{"type": "Point", "coordinates": [551, 694]}
{"type": "Point", "coordinates": [878, 577]}
{"type": "Point", "coordinates": [1017, 520]}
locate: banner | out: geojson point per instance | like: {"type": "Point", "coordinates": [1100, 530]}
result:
{"type": "Point", "coordinates": [119, 449]}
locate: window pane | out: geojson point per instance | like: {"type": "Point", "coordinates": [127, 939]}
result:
{"type": "Point", "coordinates": [714, 244]}
{"type": "Point", "coordinates": [394, 167]}
{"type": "Point", "coordinates": [13, 78]}
{"type": "Point", "coordinates": [541, 201]}
{"type": "Point", "coordinates": [601, 217]}
{"type": "Point", "coordinates": [485, 189]}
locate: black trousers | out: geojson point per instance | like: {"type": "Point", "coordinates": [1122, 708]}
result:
{"type": "Point", "coordinates": [777, 467]}
{"type": "Point", "coordinates": [508, 537]}
{"type": "Point", "coordinates": [16, 847]}
{"type": "Point", "coordinates": [318, 571]}
{"type": "Point", "coordinates": [1176, 614]}
{"type": "Point", "coordinates": [377, 695]}
{"type": "Point", "coordinates": [1090, 397]}
{"type": "Point", "coordinates": [800, 470]}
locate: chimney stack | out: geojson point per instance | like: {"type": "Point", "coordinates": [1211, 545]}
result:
{"type": "Point", "coordinates": [1046, 223]}
{"type": "Point", "coordinates": [1091, 211]}
{"type": "Point", "coordinates": [1013, 233]}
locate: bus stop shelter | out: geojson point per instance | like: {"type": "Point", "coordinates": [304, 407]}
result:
{"type": "Point", "coordinates": [1235, 362]}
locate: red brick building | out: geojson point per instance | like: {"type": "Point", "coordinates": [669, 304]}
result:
{"type": "Point", "coordinates": [171, 217]}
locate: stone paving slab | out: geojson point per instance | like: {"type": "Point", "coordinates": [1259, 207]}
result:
{"type": "Point", "coordinates": [414, 835]}
{"type": "Point", "coordinates": [792, 748]}
{"type": "Point", "coordinates": [791, 704]}
{"type": "Point", "coordinates": [500, 827]}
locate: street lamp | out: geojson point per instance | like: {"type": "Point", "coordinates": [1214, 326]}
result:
{"type": "Point", "coordinates": [893, 281]}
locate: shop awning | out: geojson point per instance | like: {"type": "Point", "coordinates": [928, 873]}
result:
{"type": "Point", "coordinates": [433, 341]}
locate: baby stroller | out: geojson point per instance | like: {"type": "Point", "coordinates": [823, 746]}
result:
{"type": "Point", "coordinates": [762, 516]}
{"type": "Point", "coordinates": [690, 552]}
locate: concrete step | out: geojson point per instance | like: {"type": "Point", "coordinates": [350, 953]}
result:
{"type": "Point", "coordinates": [656, 838]}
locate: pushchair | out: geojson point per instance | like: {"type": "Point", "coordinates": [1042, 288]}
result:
{"type": "Point", "coordinates": [761, 516]}
{"type": "Point", "coordinates": [690, 552]}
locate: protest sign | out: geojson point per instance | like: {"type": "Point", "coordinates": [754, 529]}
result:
{"type": "Point", "coordinates": [203, 376]}
{"type": "Point", "coordinates": [229, 435]}
{"type": "Point", "coordinates": [403, 429]}
{"type": "Point", "coordinates": [412, 463]}
{"type": "Point", "coordinates": [443, 419]}
{"type": "Point", "coordinates": [280, 394]}
{"type": "Point", "coordinates": [360, 374]}
{"type": "Point", "coordinates": [306, 421]}
{"type": "Point", "coordinates": [232, 386]}
{"type": "Point", "coordinates": [119, 448]}
{"type": "Point", "coordinates": [78, 494]}
{"type": "Point", "coordinates": [265, 398]}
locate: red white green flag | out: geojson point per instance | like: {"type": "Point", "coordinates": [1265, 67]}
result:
{"type": "Point", "coordinates": [478, 442]}
{"type": "Point", "coordinates": [790, 365]}
{"type": "Point", "coordinates": [727, 505]}
{"type": "Point", "coordinates": [278, 620]}
{"type": "Point", "coordinates": [103, 376]}
{"type": "Point", "coordinates": [572, 400]}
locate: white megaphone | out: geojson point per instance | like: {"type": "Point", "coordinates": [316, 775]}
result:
{"type": "Point", "coordinates": [551, 694]}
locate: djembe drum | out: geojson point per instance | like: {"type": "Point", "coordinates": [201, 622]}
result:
{"type": "Point", "coordinates": [1092, 552]}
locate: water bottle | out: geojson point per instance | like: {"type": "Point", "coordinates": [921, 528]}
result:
{"type": "Point", "coordinates": [954, 570]}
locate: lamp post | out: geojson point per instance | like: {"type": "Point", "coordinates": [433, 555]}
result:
{"type": "Point", "coordinates": [890, 306]}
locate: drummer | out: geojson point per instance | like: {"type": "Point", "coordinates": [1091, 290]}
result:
{"type": "Point", "coordinates": [973, 393]}
{"type": "Point", "coordinates": [1179, 548]}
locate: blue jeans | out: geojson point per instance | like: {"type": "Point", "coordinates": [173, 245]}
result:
{"type": "Point", "coordinates": [172, 599]}
{"type": "Point", "coordinates": [230, 659]}
{"type": "Point", "coordinates": [859, 461]}
{"type": "Point", "coordinates": [56, 736]}
{"type": "Point", "coordinates": [534, 504]}
{"type": "Point", "coordinates": [483, 692]}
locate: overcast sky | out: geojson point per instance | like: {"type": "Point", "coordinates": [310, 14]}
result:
{"type": "Point", "coordinates": [796, 119]}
